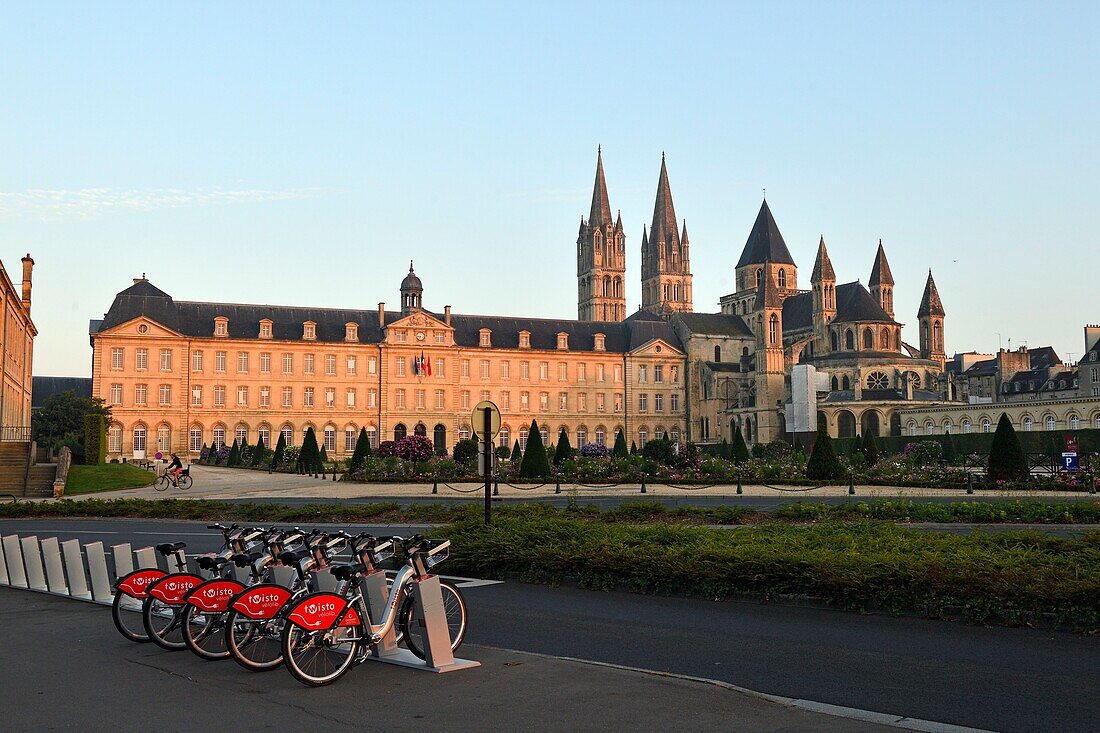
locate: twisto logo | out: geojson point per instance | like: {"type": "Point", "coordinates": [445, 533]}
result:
{"type": "Point", "coordinates": [265, 598]}
{"type": "Point", "coordinates": [219, 592]}
{"type": "Point", "coordinates": [176, 585]}
{"type": "Point", "coordinates": [313, 608]}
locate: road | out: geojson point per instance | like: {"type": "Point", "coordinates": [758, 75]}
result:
{"type": "Point", "coordinates": [994, 678]}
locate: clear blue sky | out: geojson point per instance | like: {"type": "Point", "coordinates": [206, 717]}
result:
{"type": "Point", "coordinates": [302, 153]}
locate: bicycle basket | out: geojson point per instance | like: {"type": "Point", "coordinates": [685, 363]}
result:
{"type": "Point", "coordinates": [440, 551]}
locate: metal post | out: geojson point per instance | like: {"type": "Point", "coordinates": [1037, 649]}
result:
{"type": "Point", "coordinates": [739, 489]}
{"type": "Point", "coordinates": [851, 484]}
{"type": "Point", "coordinates": [435, 487]}
{"type": "Point", "coordinates": [557, 487]}
{"type": "Point", "coordinates": [487, 426]}
{"type": "Point", "coordinates": [969, 483]}
{"type": "Point", "coordinates": [643, 485]}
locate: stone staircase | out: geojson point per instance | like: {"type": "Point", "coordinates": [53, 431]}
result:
{"type": "Point", "coordinates": [13, 470]}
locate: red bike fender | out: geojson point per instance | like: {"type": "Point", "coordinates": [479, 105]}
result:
{"type": "Point", "coordinates": [260, 601]}
{"type": "Point", "coordinates": [171, 589]}
{"type": "Point", "coordinates": [136, 584]}
{"type": "Point", "coordinates": [318, 611]}
{"type": "Point", "coordinates": [213, 596]}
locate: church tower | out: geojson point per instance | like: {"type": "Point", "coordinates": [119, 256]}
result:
{"type": "Point", "coordinates": [601, 258]}
{"type": "Point", "coordinates": [666, 260]}
{"type": "Point", "coordinates": [764, 250]}
{"type": "Point", "coordinates": [930, 316]}
{"type": "Point", "coordinates": [882, 282]}
{"type": "Point", "coordinates": [767, 319]}
{"type": "Point", "coordinates": [823, 281]}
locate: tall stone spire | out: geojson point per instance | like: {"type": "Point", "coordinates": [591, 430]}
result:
{"type": "Point", "coordinates": [930, 304]}
{"type": "Point", "coordinates": [930, 316]}
{"type": "Point", "coordinates": [823, 267]}
{"type": "Point", "coordinates": [601, 257]}
{"type": "Point", "coordinates": [882, 281]}
{"type": "Point", "coordinates": [666, 258]}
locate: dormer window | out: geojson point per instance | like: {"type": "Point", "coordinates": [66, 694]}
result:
{"type": "Point", "coordinates": [265, 329]}
{"type": "Point", "coordinates": [351, 332]}
{"type": "Point", "coordinates": [563, 341]}
{"type": "Point", "coordinates": [598, 342]}
{"type": "Point", "coordinates": [525, 339]}
{"type": "Point", "coordinates": [221, 326]}
{"type": "Point", "coordinates": [309, 330]}
{"type": "Point", "coordinates": [485, 338]}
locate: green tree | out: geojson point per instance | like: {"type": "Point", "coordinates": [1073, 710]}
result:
{"type": "Point", "coordinates": [234, 455]}
{"type": "Point", "coordinates": [659, 449]}
{"type": "Point", "coordinates": [739, 451]}
{"type": "Point", "coordinates": [1007, 461]}
{"type": "Point", "coordinates": [564, 451]}
{"type": "Point", "coordinates": [95, 438]}
{"type": "Point", "coordinates": [280, 448]}
{"type": "Point", "coordinates": [310, 456]}
{"type": "Point", "coordinates": [823, 464]}
{"type": "Point", "coordinates": [60, 421]}
{"type": "Point", "coordinates": [620, 450]}
{"type": "Point", "coordinates": [517, 455]}
{"type": "Point", "coordinates": [322, 458]}
{"type": "Point", "coordinates": [259, 451]}
{"type": "Point", "coordinates": [361, 453]}
{"type": "Point", "coordinates": [950, 452]}
{"type": "Point", "coordinates": [870, 448]}
{"type": "Point", "coordinates": [633, 448]}
{"type": "Point", "coordinates": [534, 463]}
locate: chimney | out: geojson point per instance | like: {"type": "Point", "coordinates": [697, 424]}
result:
{"type": "Point", "coordinates": [28, 265]}
{"type": "Point", "coordinates": [447, 314]}
{"type": "Point", "coordinates": [381, 315]}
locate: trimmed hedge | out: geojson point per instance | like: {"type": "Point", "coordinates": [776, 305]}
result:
{"type": "Point", "coordinates": [1036, 441]}
{"type": "Point", "coordinates": [95, 439]}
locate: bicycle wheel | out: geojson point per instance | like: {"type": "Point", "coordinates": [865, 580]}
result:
{"type": "Point", "coordinates": [204, 633]}
{"type": "Point", "coordinates": [162, 624]}
{"type": "Point", "coordinates": [126, 613]}
{"type": "Point", "coordinates": [412, 628]}
{"type": "Point", "coordinates": [256, 645]}
{"type": "Point", "coordinates": [317, 658]}
{"type": "Point", "coordinates": [185, 483]}
{"type": "Point", "coordinates": [161, 484]}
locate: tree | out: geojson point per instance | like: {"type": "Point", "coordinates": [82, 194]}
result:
{"type": "Point", "coordinates": [466, 452]}
{"type": "Point", "coordinates": [534, 463]}
{"type": "Point", "coordinates": [823, 464]}
{"type": "Point", "coordinates": [870, 448]}
{"type": "Point", "coordinates": [564, 450]}
{"type": "Point", "coordinates": [739, 451]}
{"type": "Point", "coordinates": [361, 453]}
{"type": "Point", "coordinates": [60, 421]}
{"type": "Point", "coordinates": [1007, 461]}
{"type": "Point", "coordinates": [310, 456]}
{"type": "Point", "coordinates": [659, 449]}
{"type": "Point", "coordinates": [258, 452]}
{"type": "Point", "coordinates": [633, 448]}
{"type": "Point", "coordinates": [620, 450]}
{"type": "Point", "coordinates": [95, 438]}
{"type": "Point", "coordinates": [517, 455]}
{"type": "Point", "coordinates": [280, 448]}
{"type": "Point", "coordinates": [323, 457]}
{"type": "Point", "coordinates": [234, 455]}
{"type": "Point", "coordinates": [950, 452]}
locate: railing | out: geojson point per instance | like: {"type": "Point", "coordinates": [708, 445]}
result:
{"type": "Point", "coordinates": [15, 433]}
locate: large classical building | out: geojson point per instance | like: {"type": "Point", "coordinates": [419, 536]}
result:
{"type": "Point", "coordinates": [17, 334]}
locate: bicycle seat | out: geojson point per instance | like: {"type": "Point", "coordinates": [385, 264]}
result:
{"type": "Point", "coordinates": [169, 547]}
{"type": "Point", "coordinates": [343, 572]}
{"type": "Point", "coordinates": [212, 562]}
{"type": "Point", "coordinates": [292, 556]}
{"type": "Point", "coordinates": [244, 559]}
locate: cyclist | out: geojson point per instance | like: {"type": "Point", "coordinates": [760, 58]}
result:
{"type": "Point", "coordinates": [175, 468]}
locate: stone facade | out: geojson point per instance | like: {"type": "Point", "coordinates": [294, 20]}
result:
{"type": "Point", "coordinates": [17, 334]}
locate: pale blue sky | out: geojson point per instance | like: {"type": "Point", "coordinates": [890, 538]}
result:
{"type": "Point", "coordinates": [302, 153]}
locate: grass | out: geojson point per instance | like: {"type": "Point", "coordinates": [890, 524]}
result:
{"type": "Point", "coordinates": [108, 477]}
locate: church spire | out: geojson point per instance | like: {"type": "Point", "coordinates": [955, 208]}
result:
{"type": "Point", "coordinates": [880, 272]}
{"type": "Point", "coordinates": [823, 267]}
{"type": "Point", "coordinates": [663, 228]}
{"type": "Point", "coordinates": [600, 213]}
{"type": "Point", "coordinates": [930, 304]}
{"type": "Point", "coordinates": [666, 265]}
{"type": "Point", "coordinates": [601, 257]}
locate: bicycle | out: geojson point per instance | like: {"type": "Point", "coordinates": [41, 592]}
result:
{"type": "Point", "coordinates": [325, 632]}
{"type": "Point", "coordinates": [165, 480]}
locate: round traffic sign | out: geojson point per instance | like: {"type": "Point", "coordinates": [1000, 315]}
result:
{"type": "Point", "coordinates": [478, 419]}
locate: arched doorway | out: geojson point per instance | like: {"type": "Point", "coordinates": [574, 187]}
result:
{"type": "Point", "coordinates": [870, 423]}
{"type": "Point", "coordinates": [895, 424]}
{"type": "Point", "coordinates": [399, 431]}
{"type": "Point", "coordinates": [440, 439]}
{"type": "Point", "coordinates": [421, 429]}
{"type": "Point", "coordinates": [845, 424]}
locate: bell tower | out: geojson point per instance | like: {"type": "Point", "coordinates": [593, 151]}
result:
{"type": "Point", "coordinates": [601, 258]}
{"type": "Point", "coordinates": [931, 316]}
{"type": "Point", "coordinates": [666, 256]}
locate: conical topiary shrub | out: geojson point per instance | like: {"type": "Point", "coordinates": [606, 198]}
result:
{"type": "Point", "coordinates": [564, 450]}
{"type": "Point", "coordinates": [361, 453]}
{"type": "Point", "coordinates": [950, 452]}
{"type": "Point", "coordinates": [310, 456]}
{"type": "Point", "coordinates": [619, 450]}
{"type": "Point", "coordinates": [870, 448]}
{"type": "Point", "coordinates": [234, 455]}
{"type": "Point", "coordinates": [739, 452]}
{"type": "Point", "coordinates": [280, 449]}
{"type": "Point", "coordinates": [517, 454]}
{"type": "Point", "coordinates": [823, 464]}
{"type": "Point", "coordinates": [534, 463]}
{"type": "Point", "coordinates": [1007, 461]}
{"type": "Point", "coordinates": [633, 448]}
{"type": "Point", "coordinates": [259, 451]}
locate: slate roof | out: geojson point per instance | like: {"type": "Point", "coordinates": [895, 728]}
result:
{"type": "Point", "coordinates": [600, 213]}
{"type": "Point", "coordinates": [197, 319]}
{"type": "Point", "coordinates": [823, 266]}
{"type": "Point", "coordinates": [798, 312]}
{"type": "Point", "coordinates": [723, 366]}
{"type": "Point", "coordinates": [765, 243]}
{"type": "Point", "coordinates": [880, 272]}
{"type": "Point", "coordinates": [42, 388]}
{"type": "Point", "coordinates": [715, 324]}
{"type": "Point", "coordinates": [930, 304]}
{"type": "Point", "coordinates": [882, 395]}
{"type": "Point", "coordinates": [854, 302]}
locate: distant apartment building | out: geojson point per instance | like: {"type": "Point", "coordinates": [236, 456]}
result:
{"type": "Point", "coordinates": [17, 334]}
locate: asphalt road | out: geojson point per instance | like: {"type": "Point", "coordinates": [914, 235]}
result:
{"type": "Point", "coordinates": [994, 678]}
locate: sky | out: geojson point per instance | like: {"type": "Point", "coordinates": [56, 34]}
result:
{"type": "Point", "coordinates": [302, 154]}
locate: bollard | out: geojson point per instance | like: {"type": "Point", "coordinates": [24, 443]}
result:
{"type": "Point", "coordinates": [13, 556]}
{"type": "Point", "coordinates": [739, 489]}
{"type": "Point", "coordinates": [32, 561]}
{"type": "Point", "coordinates": [55, 571]}
{"type": "Point", "coordinates": [557, 487]}
{"type": "Point", "coordinates": [969, 483]}
{"type": "Point", "coordinates": [496, 488]}
{"type": "Point", "coordinates": [643, 485]}
{"type": "Point", "coordinates": [74, 569]}
{"type": "Point", "coordinates": [334, 474]}
{"type": "Point", "coordinates": [851, 484]}
{"type": "Point", "coordinates": [435, 487]}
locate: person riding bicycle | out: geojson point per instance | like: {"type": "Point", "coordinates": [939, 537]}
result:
{"type": "Point", "coordinates": [175, 468]}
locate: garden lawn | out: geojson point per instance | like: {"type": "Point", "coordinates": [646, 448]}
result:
{"type": "Point", "coordinates": [107, 477]}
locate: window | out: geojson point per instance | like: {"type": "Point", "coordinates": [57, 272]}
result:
{"type": "Point", "coordinates": [114, 439]}
{"type": "Point", "coordinates": [524, 401]}
{"type": "Point", "coordinates": [242, 362]}
{"type": "Point", "coordinates": [525, 370]}
{"type": "Point", "coordinates": [464, 368]}
{"type": "Point", "coordinates": [265, 362]}
{"type": "Point", "coordinates": [372, 437]}
{"type": "Point", "coordinates": [544, 401]}
{"type": "Point", "coordinates": [658, 373]}
{"type": "Point", "coordinates": [485, 337]}
{"type": "Point", "coordinates": [643, 375]}
{"type": "Point", "coordinates": [349, 439]}
{"type": "Point", "coordinates": [307, 364]}
{"type": "Point", "coordinates": [263, 435]}
{"type": "Point", "coordinates": [598, 342]}
{"type": "Point", "coordinates": [505, 370]}
{"type": "Point", "coordinates": [674, 402]}
{"type": "Point", "coordinates": [523, 439]}
{"type": "Point", "coordinates": [330, 364]}
{"type": "Point", "coordinates": [986, 425]}
{"type": "Point", "coordinates": [506, 400]}
{"type": "Point", "coordinates": [1074, 422]}
{"type": "Point", "coordinates": [400, 366]}
{"type": "Point", "coordinates": [140, 394]}
{"type": "Point", "coordinates": [484, 395]}
{"type": "Point", "coordinates": [868, 338]}
{"type": "Point", "coordinates": [966, 425]}
{"type": "Point", "coordinates": [582, 372]}
{"type": "Point", "coordinates": [372, 365]}
{"type": "Point", "coordinates": [440, 337]}
{"type": "Point", "coordinates": [219, 395]}
{"type": "Point", "coordinates": [142, 361]}
{"type": "Point", "coordinates": [241, 434]}
{"type": "Point", "coordinates": [440, 399]}
{"type": "Point", "coordinates": [618, 373]}
{"type": "Point", "coordinates": [196, 396]}
{"type": "Point", "coordinates": [849, 340]}
{"type": "Point", "coordinates": [582, 401]}
{"type": "Point", "coordinates": [219, 361]}
{"type": "Point", "coordinates": [1028, 423]}
{"type": "Point", "coordinates": [563, 401]}
{"type": "Point", "coordinates": [166, 360]}
{"type": "Point", "coordinates": [619, 401]}
{"type": "Point", "coordinates": [929, 428]}
{"type": "Point", "coordinates": [165, 394]}
{"type": "Point", "coordinates": [330, 439]}
{"type": "Point", "coordinates": [544, 371]}
{"type": "Point", "coordinates": [350, 366]}
{"type": "Point", "coordinates": [563, 372]}
{"type": "Point", "coordinates": [139, 439]}
{"type": "Point", "coordinates": [265, 329]}
{"type": "Point", "coordinates": [351, 333]}
{"type": "Point", "coordinates": [524, 340]}
{"type": "Point", "coordinates": [288, 396]}
{"type": "Point", "coordinates": [399, 399]}
{"type": "Point", "coordinates": [196, 361]}
{"type": "Point", "coordinates": [601, 402]}
{"type": "Point", "coordinates": [330, 397]}
{"type": "Point", "coordinates": [643, 402]}
{"type": "Point", "coordinates": [601, 436]}
{"type": "Point", "coordinates": [372, 398]}
{"type": "Point", "coordinates": [221, 326]}
{"type": "Point", "coordinates": [643, 436]}
{"type": "Point", "coordinates": [265, 396]}
{"type": "Point", "coordinates": [287, 434]}
{"type": "Point", "coordinates": [544, 433]}
{"type": "Point", "coordinates": [440, 368]}
{"type": "Point", "coordinates": [563, 341]}
{"type": "Point", "coordinates": [504, 438]}
{"type": "Point", "coordinates": [582, 437]}
{"type": "Point", "coordinates": [194, 439]}
{"type": "Point", "coordinates": [420, 399]}
{"type": "Point", "coordinates": [773, 329]}
{"type": "Point", "coordinates": [1051, 423]}
{"type": "Point", "coordinates": [116, 363]}
{"type": "Point", "coordinates": [219, 437]}
{"type": "Point", "coordinates": [349, 395]}
{"type": "Point", "coordinates": [601, 373]}
{"type": "Point", "coordinates": [658, 402]}
{"type": "Point", "coordinates": [484, 368]}
{"type": "Point", "coordinates": [116, 394]}
{"type": "Point", "coordinates": [309, 331]}
{"type": "Point", "coordinates": [307, 397]}
{"type": "Point", "coordinates": [465, 399]}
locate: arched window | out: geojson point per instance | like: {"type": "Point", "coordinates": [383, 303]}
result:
{"type": "Point", "coordinates": [194, 439]}
{"type": "Point", "coordinates": [718, 353]}
{"type": "Point", "coordinates": [758, 271]}
{"type": "Point", "coordinates": [834, 384]}
{"type": "Point", "coordinates": [868, 338]}
{"type": "Point", "coordinates": [219, 437]}
{"type": "Point", "coordinates": [139, 441]}
{"type": "Point", "coordinates": [773, 329]}
{"type": "Point", "coordinates": [1074, 422]}
{"type": "Point", "coordinates": [330, 439]}
{"type": "Point", "coordinates": [833, 341]}
{"type": "Point", "coordinates": [937, 333]}
{"type": "Point", "coordinates": [241, 434]}
{"type": "Point", "coordinates": [544, 433]}
{"type": "Point", "coordinates": [986, 425]}
{"type": "Point", "coordinates": [782, 278]}
{"type": "Point", "coordinates": [948, 427]}
{"type": "Point", "coordinates": [878, 380]}
{"type": "Point", "coordinates": [114, 438]}
{"type": "Point", "coordinates": [582, 437]}
{"type": "Point", "coordinates": [966, 425]}
{"type": "Point", "coordinates": [845, 383]}
{"type": "Point", "coordinates": [287, 434]}
{"type": "Point", "coordinates": [504, 437]}
{"type": "Point", "coordinates": [164, 438]}
{"type": "Point", "coordinates": [263, 436]}
{"type": "Point", "coordinates": [643, 433]}
{"type": "Point", "coordinates": [372, 436]}
{"type": "Point", "coordinates": [884, 339]}
{"type": "Point", "coordinates": [421, 429]}
{"type": "Point", "coordinates": [400, 431]}
{"type": "Point", "coordinates": [1028, 424]}
{"type": "Point", "coordinates": [929, 428]}
{"type": "Point", "coordinates": [1096, 421]}
{"type": "Point", "coordinates": [845, 424]}
{"type": "Point", "coordinates": [849, 340]}
{"type": "Point", "coordinates": [601, 436]}
{"type": "Point", "coordinates": [1051, 423]}
{"type": "Point", "coordinates": [439, 439]}
{"type": "Point", "coordinates": [523, 432]}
